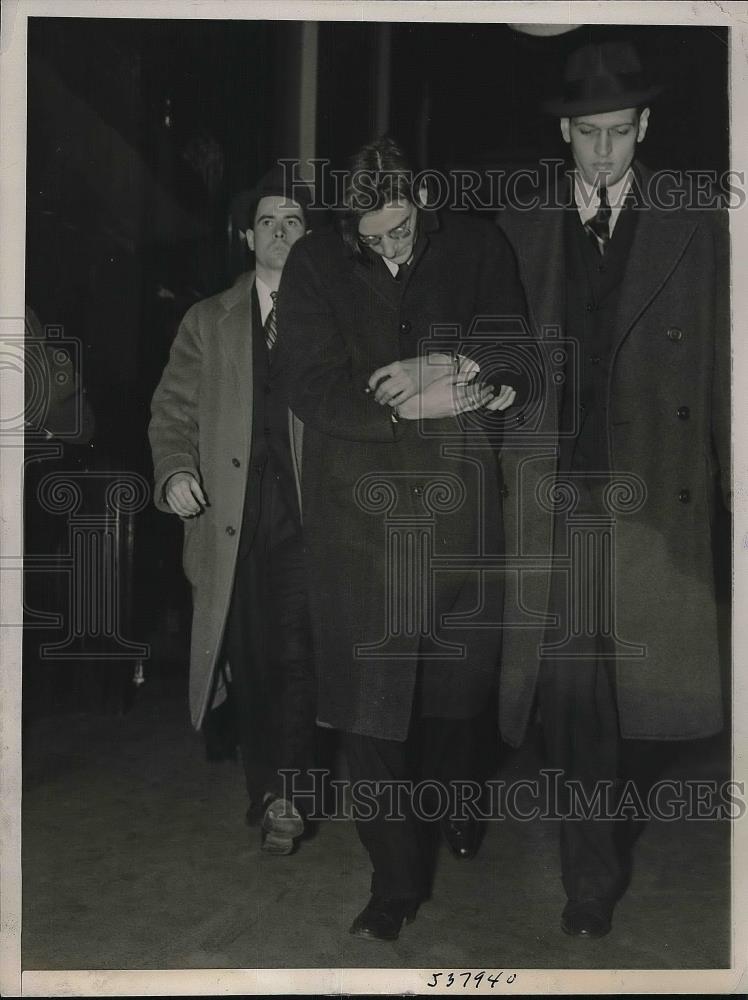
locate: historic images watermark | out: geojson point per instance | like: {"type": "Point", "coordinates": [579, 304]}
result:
{"type": "Point", "coordinates": [523, 189]}
{"type": "Point", "coordinates": [525, 800]}
{"type": "Point", "coordinates": [93, 509]}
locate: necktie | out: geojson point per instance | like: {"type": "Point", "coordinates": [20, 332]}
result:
{"type": "Point", "coordinates": [402, 270]}
{"type": "Point", "coordinates": [271, 327]}
{"type": "Point", "coordinates": [599, 226]}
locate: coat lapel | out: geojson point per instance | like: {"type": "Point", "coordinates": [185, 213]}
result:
{"type": "Point", "coordinates": [235, 330]}
{"type": "Point", "coordinates": [541, 248]}
{"type": "Point", "coordinates": [660, 240]}
{"type": "Point", "coordinates": [365, 272]}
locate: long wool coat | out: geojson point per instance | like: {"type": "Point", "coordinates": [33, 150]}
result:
{"type": "Point", "coordinates": [202, 423]}
{"type": "Point", "coordinates": [372, 489]}
{"type": "Point", "coordinates": [668, 424]}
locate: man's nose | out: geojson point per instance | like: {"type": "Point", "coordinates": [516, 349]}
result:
{"type": "Point", "coordinates": [278, 230]}
{"type": "Point", "coordinates": [603, 143]}
{"type": "Point", "coordinates": [389, 249]}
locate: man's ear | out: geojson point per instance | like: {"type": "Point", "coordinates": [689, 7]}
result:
{"type": "Point", "coordinates": [422, 194]}
{"type": "Point", "coordinates": [643, 123]}
{"type": "Point", "coordinates": [249, 236]}
{"type": "Point", "coordinates": [566, 129]}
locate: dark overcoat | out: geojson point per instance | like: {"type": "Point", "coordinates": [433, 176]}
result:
{"type": "Point", "coordinates": [202, 423]}
{"type": "Point", "coordinates": [382, 500]}
{"type": "Point", "coordinates": [668, 430]}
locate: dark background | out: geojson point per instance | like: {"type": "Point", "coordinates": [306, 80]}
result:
{"type": "Point", "coordinates": [141, 132]}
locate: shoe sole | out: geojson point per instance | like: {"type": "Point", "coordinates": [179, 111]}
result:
{"type": "Point", "coordinates": [365, 935]}
{"type": "Point", "coordinates": [274, 843]}
{"type": "Point", "coordinates": [585, 935]}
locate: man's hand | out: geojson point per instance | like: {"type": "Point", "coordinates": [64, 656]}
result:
{"type": "Point", "coordinates": [184, 494]}
{"type": "Point", "coordinates": [401, 380]}
{"type": "Point", "coordinates": [505, 398]}
{"type": "Point", "coordinates": [446, 397]}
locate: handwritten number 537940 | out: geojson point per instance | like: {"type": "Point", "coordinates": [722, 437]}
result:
{"type": "Point", "coordinates": [477, 977]}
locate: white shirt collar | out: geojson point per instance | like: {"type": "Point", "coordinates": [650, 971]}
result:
{"type": "Point", "coordinates": [587, 199]}
{"type": "Point", "coordinates": [264, 296]}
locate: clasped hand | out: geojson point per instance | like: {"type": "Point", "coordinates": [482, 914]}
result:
{"type": "Point", "coordinates": [433, 386]}
{"type": "Point", "coordinates": [395, 383]}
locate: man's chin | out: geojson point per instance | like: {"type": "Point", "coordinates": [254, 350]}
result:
{"type": "Point", "coordinates": [276, 260]}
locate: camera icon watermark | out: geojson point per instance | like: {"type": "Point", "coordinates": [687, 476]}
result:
{"type": "Point", "coordinates": [41, 369]}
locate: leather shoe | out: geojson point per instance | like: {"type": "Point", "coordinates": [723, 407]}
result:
{"type": "Point", "coordinates": [586, 918]}
{"type": "Point", "coordinates": [381, 919]}
{"type": "Point", "coordinates": [281, 826]}
{"type": "Point", "coordinates": [462, 836]}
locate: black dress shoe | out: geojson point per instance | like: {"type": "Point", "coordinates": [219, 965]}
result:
{"type": "Point", "coordinates": [587, 918]}
{"type": "Point", "coordinates": [381, 919]}
{"type": "Point", "coordinates": [462, 836]}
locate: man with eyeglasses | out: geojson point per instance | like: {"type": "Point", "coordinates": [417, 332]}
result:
{"type": "Point", "coordinates": [380, 361]}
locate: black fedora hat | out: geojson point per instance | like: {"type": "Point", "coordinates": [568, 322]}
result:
{"type": "Point", "coordinates": [599, 78]}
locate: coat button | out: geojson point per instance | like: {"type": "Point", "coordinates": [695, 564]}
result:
{"type": "Point", "coordinates": [417, 491]}
{"type": "Point", "coordinates": [230, 531]}
{"type": "Point", "coordinates": [675, 334]}
{"type": "Point", "coordinates": [684, 496]}
{"type": "Point", "coordinates": [683, 412]}
{"type": "Point", "coordinates": [235, 462]}
{"type": "Point", "coordinates": [406, 326]}
{"type": "Point", "coordinates": [504, 492]}
{"type": "Point", "coordinates": [520, 418]}
{"type": "Point", "coordinates": [594, 360]}
{"type": "Point", "coordinates": [590, 307]}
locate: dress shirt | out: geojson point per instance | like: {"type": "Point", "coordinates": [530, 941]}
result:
{"type": "Point", "coordinates": [587, 199]}
{"type": "Point", "coordinates": [264, 297]}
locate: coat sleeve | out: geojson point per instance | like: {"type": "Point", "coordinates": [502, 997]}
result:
{"type": "Point", "coordinates": [323, 387]}
{"type": "Point", "coordinates": [495, 339]}
{"type": "Point", "coordinates": [173, 430]}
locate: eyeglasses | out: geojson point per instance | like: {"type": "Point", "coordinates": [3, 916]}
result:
{"type": "Point", "coordinates": [399, 233]}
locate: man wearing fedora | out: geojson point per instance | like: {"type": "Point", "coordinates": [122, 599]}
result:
{"type": "Point", "coordinates": [627, 289]}
{"type": "Point", "coordinates": [226, 455]}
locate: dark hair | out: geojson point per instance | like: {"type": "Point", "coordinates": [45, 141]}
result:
{"type": "Point", "coordinates": [378, 173]}
{"type": "Point", "coordinates": [275, 183]}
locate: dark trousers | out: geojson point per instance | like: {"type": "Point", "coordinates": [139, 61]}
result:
{"type": "Point", "coordinates": [401, 850]}
{"type": "Point", "coordinates": [579, 715]}
{"type": "Point", "coordinates": [268, 648]}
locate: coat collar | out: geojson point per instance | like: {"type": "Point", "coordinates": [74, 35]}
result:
{"type": "Point", "coordinates": [660, 239]}
{"type": "Point", "coordinates": [428, 224]}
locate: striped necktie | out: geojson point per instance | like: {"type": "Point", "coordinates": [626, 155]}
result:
{"type": "Point", "coordinates": [271, 326]}
{"type": "Point", "coordinates": [599, 226]}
